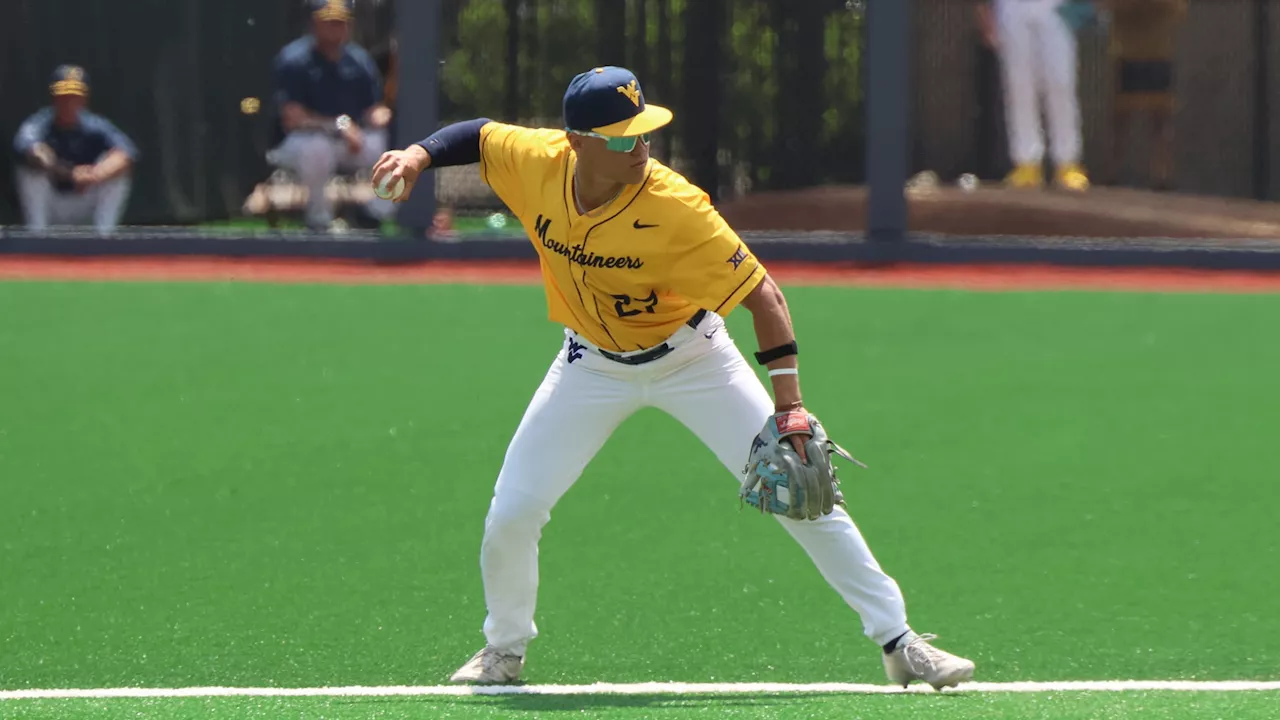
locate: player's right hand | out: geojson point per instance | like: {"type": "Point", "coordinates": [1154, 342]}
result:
{"type": "Point", "coordinates": [396, 164]}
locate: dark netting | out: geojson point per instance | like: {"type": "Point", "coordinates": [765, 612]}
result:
{"type": "Point", "coordinates": [768, 94]}
{"type": "Point", "coordinates": [175, 77]}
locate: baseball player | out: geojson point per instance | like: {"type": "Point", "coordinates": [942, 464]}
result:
{"type": "Point", "coordinates": [1037, 47]}
{"type": "Point", "coordinates": [641, 269]}
{"type": "Point", "coordinates": [76, 164]}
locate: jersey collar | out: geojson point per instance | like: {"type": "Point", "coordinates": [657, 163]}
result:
{"type": "Point", "coordinates": [625, 198]}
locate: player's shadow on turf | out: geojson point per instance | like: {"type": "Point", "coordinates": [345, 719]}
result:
{"type": "Point", "coordinates": [584, 703]}
{"type": "Point", "coordinates": [656, 701]}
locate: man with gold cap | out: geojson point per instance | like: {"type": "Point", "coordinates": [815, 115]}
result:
{"type": "Point", "coordinates": [75, 164]}
{"type": "Point", "coordinates": [329, 97]}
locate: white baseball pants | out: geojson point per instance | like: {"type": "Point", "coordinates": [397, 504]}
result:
{"type": "Point", "coordinates": [1038, 59]}
{"type": "Point", "coordinates": [704, 383]}
{"type": "Point", "coordinates": [101, 205]}
{"type": "Point", "coordinates": [317, 158]}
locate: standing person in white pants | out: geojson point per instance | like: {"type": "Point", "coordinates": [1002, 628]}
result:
{"type": "Point", "coordinates": [77, 163]}
{"type": "Point", "coordinates": [329, 95]}
{"type": "Point", "coordinates": [1038, 57]}
{"type": "Point", "coordinates": [640, 269]}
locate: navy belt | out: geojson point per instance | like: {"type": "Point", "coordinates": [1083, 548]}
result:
{"type": "Point", "coordinates": [657, 352]}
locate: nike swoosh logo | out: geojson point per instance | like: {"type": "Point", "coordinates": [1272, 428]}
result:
{"type": "Point", "coordinates": [708, 335]}
{"type": "Point", "coordinates": [641, 226]}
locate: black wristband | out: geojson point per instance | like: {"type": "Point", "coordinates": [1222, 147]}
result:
{"type": "Point", "coordinates": [764, 357]}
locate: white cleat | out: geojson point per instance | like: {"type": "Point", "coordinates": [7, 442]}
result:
{"type": "Point", "coordinates": [916, 659]}
{"type": "Point", "coordinates": [490, 666]}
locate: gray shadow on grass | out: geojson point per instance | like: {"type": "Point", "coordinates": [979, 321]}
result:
{"type": "Point", "coordinates": [657, 705]}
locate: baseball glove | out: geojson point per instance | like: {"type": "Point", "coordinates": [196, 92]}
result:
{"type": "Point", "coordinates": [777, 482]}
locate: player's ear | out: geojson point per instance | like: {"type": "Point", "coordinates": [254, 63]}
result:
{"type": "Point", "coordinates": [575, 142]}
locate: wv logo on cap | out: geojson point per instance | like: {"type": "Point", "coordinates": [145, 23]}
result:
{"type": "Point", "coordinates": [632, 93]}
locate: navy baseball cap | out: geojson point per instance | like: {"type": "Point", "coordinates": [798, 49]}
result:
{"type": "Point", "coordinates": [332, 9]}
{"type": "Point", "coordinates": [69, 80]}
{"type": "Point", "coordinates": [609, 101]}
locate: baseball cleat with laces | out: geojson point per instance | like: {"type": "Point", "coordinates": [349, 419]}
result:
{"type": "Point", "coordinates": [490, 666]}
{"type": "Point", "coordinates": [915, 659]}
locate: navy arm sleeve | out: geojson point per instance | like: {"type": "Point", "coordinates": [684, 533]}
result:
{"type": "Point", "coordinates": [456, 144]}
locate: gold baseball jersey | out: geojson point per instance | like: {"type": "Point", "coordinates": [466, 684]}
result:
{"type": "Point", "coordinates": [629, 278]}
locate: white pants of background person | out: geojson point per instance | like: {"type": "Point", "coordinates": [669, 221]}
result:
{"type": "Point", "coordinates": [705, 384]}
{"type": "Point", "coordinates": [42, 205]}
{"type": "Point", "coordinates": [1038, 56]}
{"type": "Point", "coordinates": [317, 158]}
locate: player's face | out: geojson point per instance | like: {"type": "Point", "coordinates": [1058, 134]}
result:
{"type": "Point", "coordinates": [626, 167]}
{"type": "Point", "coordinates": [66, 108]}
{"type": "Point", "coordinates": [332, 33]}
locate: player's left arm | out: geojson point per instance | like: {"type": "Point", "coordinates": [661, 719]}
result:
{"type": "Point", "coordinates": [378, 115]}
{"type": "Point", "coordinates": [768, 308]}
{"type": "Point", "coordinates": [116, 161]}
{"type": "Point", "coordinates": [717, 271]}
{"type": "Point", "coordinates": [777, 340]}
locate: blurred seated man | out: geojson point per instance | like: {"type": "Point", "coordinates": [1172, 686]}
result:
{"type": "Point", "coordinates": [75, 165]}
{"type": "Point", "coordinates": [1143, 34]}
{"type": "Point", "coordinates": [329, 96]}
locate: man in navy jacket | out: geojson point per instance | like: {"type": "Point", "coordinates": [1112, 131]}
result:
{"type": "Point", "coordinates": [331, 110]}
{"type": "Point", "coordinates": [74, 165]}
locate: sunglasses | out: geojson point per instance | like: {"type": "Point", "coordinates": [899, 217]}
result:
{"type": "Point", "coordinates": [617, 144]}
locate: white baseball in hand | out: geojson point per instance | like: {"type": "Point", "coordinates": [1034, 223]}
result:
{"type": "Point", "coordinates": [389, 193]}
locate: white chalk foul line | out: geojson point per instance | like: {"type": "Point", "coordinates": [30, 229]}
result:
{"type": "Point", "coordinates": [656, 688]}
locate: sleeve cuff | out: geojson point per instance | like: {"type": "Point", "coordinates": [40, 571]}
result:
{"type": "Point", "coordinates": [744, 289]}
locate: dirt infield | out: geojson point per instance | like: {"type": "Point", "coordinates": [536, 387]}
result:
{"type": "Point", "coordinates": [996, 211]}
{"type": "Point", "coordinates": [972, 277]}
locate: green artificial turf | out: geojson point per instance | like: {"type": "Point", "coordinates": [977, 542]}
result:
{"type": "Point", "coordinates": [1000, 706]}
{"type": "Point", "coordinates": [254, 485]}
